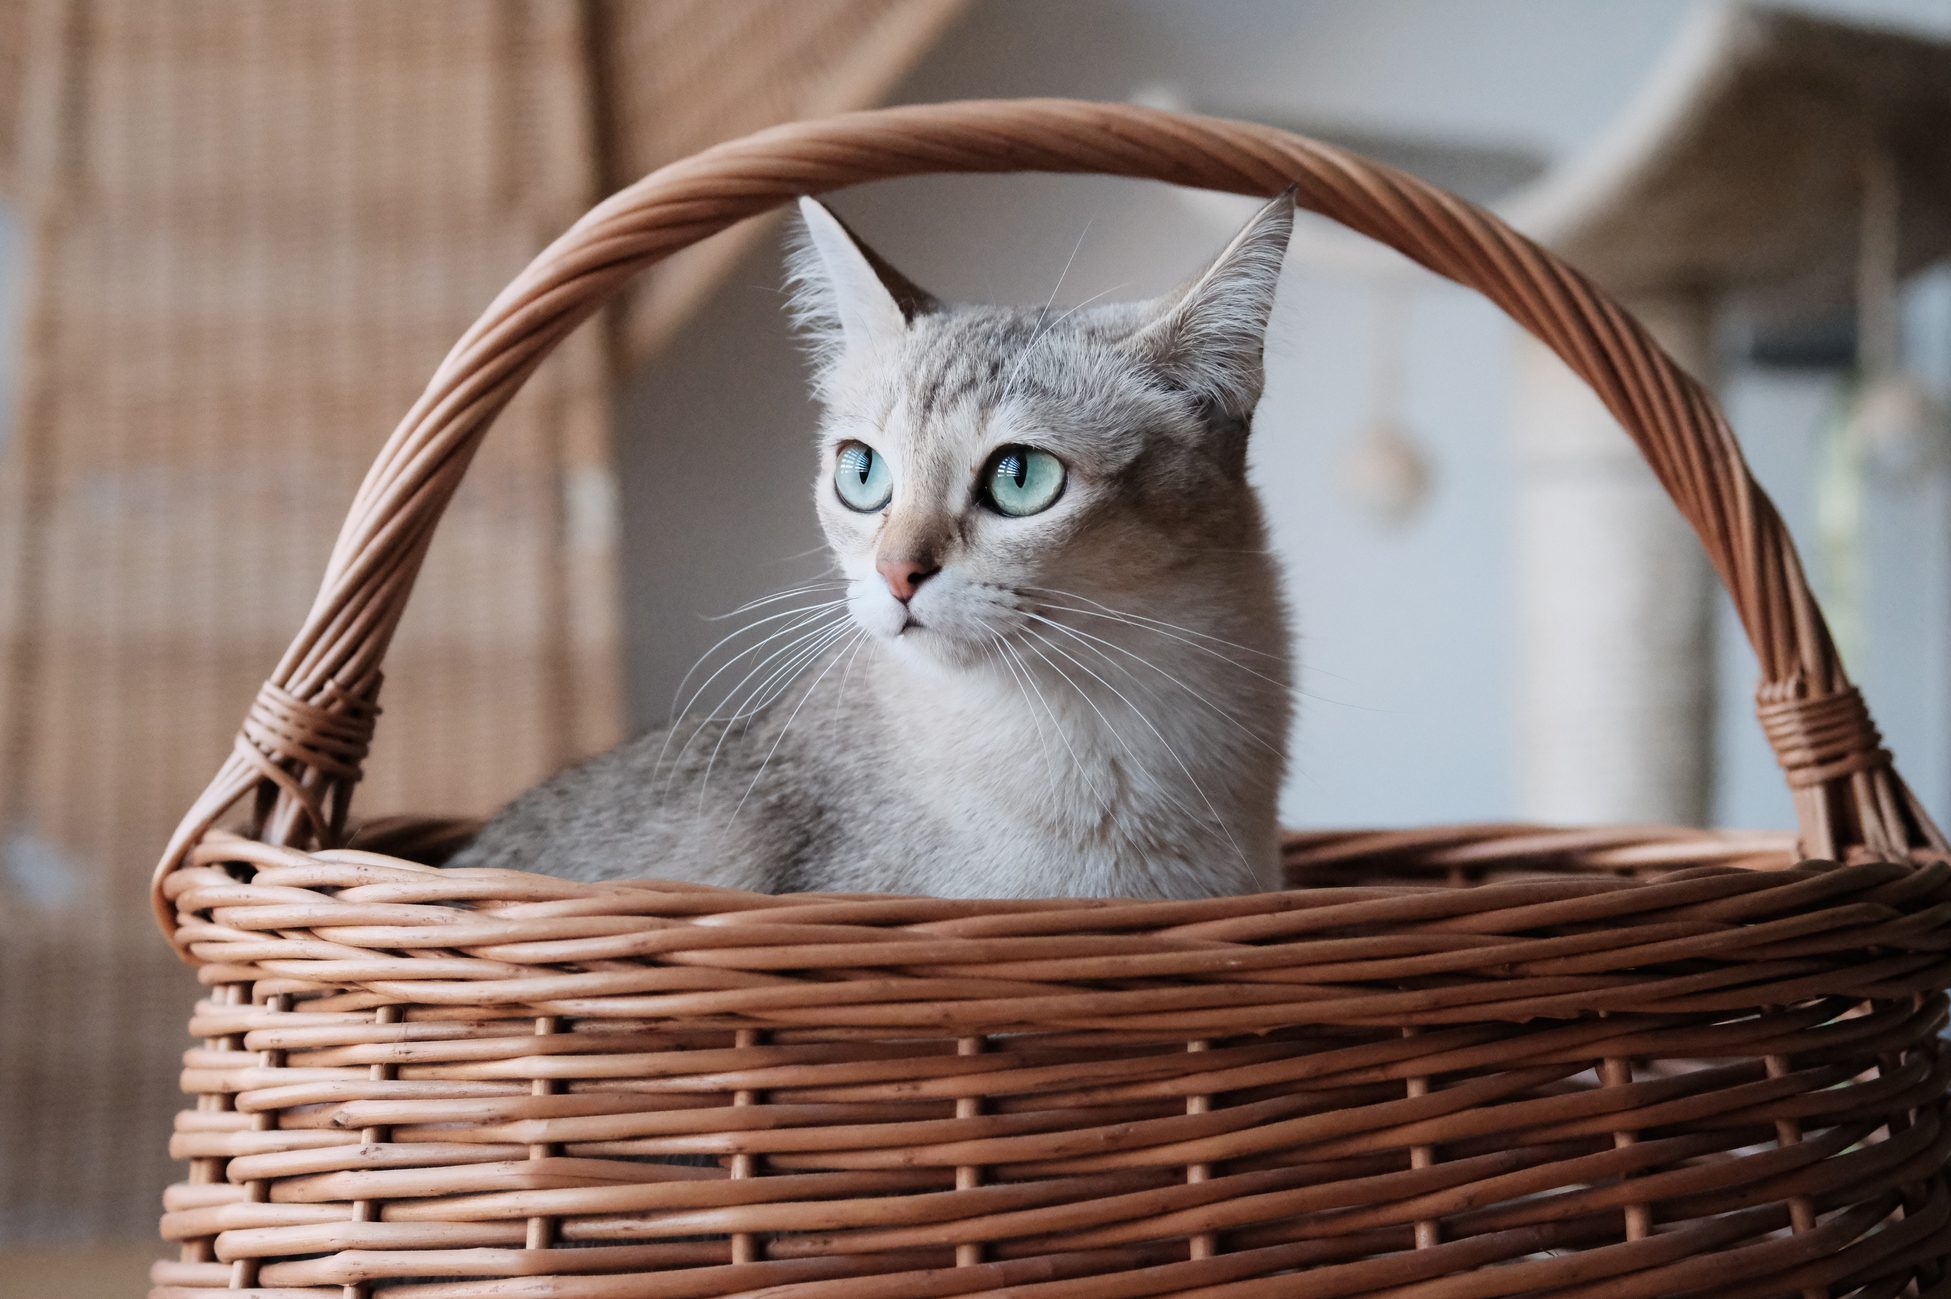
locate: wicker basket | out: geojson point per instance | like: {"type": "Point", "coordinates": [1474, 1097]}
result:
{"type": "Point", "coordinates": [1466, 1062]}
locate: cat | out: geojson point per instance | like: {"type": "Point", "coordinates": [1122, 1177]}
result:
{"type": "Point", "coordinates": [1055, 660]}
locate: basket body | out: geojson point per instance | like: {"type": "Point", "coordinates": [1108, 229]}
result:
{"type": "Point", "coordinates": [1449, 1064]}
{"type": "Point", "coordinates": [1478, 1062]}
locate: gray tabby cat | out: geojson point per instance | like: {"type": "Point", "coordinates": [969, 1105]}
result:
{"type": "Point", "coordinates": [1055, 662]}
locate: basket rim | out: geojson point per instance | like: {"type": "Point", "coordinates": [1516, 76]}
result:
{"type": "Point", "coordinates": [1730, 933]}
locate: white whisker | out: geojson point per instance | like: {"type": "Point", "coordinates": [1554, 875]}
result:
{"type": "Point", "coordinates": [690, 672]}
{"type": "Point", "coordinates": [1139, 623]}
{"type": "Point", "coordinates": [780, 738]}
{"type": "Point", "coordinates": [1058, 726]}
{"type": "Point", "coordinates": [1137, 762]}
{"type": "Point", "coordinates": [802, 554]}
{"type": "Point", "coordinates": [996, 651]}
{"type": "Point", "coordinates": [804, 618]}
{"type": "Point", "coordinates": [785, 675]}
{"type": "Point", "coordinates": [1044, 331]}
{"type": "Point", "coordinates": [1106, 611]}
{"type": "Point", "coordinates": [825, 584]}
{"type": "Point", "coordinates": [840, 693]}
{"type": "Point", "coordinates": [1043, 313]}
{"type": "Point", "coordinates": [1092, 642]}
{"type": "Point", "coordinates": [769, 690]}
{"type": "Point", "coordinates": [1156, 631]}
{"type": "Point", "coordinates": [806, 631]}
{"type": "Point", "coordinates": [1218, 820]}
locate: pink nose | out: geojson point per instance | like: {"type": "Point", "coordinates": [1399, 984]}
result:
{"type": "Point", "coordinates": [905, 576]}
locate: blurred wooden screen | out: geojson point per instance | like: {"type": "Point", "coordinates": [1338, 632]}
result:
{"type": "Point", "coordinates": [252, 230]}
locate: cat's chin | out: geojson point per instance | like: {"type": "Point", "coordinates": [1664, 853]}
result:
{"type": "Point", "coordinates": [931, 649]}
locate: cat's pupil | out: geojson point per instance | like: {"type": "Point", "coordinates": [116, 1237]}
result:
{"type": "Point", "coordinates": [1014, 467]}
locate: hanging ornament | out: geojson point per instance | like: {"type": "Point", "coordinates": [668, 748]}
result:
{"type": "Point", "coordinates": [1384, 472]}
{"type": "Point", "coordinates": [1899, 426]}
{"type": "Point", "coordinates": [1895, 424]}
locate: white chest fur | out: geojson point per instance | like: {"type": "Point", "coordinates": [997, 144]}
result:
{"type": "Point", "coordinates": [1050, 774]}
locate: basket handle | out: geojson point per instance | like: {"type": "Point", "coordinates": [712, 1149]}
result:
{"type": "Point", "coordinates": [301, 745]}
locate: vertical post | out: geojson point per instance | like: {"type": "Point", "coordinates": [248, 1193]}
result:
{"type": "Point", "coordinates": [243, 1272]}
{"type": "Point", "coordinates": [541, 1231]}
{"type": "Point", "coordinates": [1617, 1071]}
{"type": "Point", "coordinates": [968, 1177]}
{"type": "Point", "coordinates": [368, 1210]}
{"type": "Point", "coordinates": [1891, 1062]}
{"type": "Point", "coordinates": [1428, 1231]}
{"type": "Point", "coordinates": [1615, 682]}
{"type": "Point", "coordinates": [1788, 1132]}
{"type": "Point", "coordinates": [745, 1246]}
{"type": "Point", "coordinates": [208, 1170]}
{"type": "Point", "coordinates": [1202, 1244]}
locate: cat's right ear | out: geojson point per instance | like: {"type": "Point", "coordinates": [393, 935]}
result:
{"type": "Point", "coordinates": [845, 295]}
{"type": "Point", "coordinates": [1209, 339]}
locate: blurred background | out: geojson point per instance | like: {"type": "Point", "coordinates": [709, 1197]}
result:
{"type": "Point", "coordinates": [235, 239]}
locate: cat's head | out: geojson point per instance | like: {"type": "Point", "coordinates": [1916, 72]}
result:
{"type": "Point", "coordinates": [978, 462]}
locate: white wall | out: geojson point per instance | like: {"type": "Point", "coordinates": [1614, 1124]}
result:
{"type": "Point", "coordinates": [1406, 637]}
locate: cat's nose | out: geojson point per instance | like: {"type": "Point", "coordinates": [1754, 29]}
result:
{"type": "Point", "coordinates": [905, 576]}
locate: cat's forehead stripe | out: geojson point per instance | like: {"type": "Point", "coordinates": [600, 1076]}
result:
{"type": "Point", "coordinates": [964, 375]}
{"type": "Point", "coordinates": [975, 356]}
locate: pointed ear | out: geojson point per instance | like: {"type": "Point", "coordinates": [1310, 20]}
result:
{"type": "Point", "coordinates": [1209, 338]}
{"type": "Point", "coordinates": [845, 295]}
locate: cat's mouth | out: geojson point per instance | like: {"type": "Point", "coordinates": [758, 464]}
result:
{"type": "Point", "coordinates": [952, 623]}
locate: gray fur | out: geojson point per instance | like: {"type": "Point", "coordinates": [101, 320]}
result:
{"type": "Point", "coordinates": [985, 753]}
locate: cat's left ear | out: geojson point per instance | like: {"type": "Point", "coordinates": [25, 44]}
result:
{"type": "Point", "coordinates": [1209, 339]}
{"type": "Point", "coordinates": [846, 295]}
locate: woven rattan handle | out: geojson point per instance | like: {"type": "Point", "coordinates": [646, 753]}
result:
{"type": "Point", "coordinates": [300, 748]}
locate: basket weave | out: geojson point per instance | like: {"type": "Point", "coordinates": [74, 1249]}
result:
{"type": "Point", "coordinates": [1462, 1062]}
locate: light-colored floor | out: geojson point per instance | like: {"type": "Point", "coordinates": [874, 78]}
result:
{"type": "Point", "coordinates": [78, 1271]}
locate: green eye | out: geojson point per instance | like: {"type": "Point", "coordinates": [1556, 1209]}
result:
{"type": "Point", "coordinates": [862, 478]}
{"type": "Point", "coordinates": [1020, 481]}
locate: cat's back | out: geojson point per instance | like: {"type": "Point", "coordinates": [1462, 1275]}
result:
{"type": "Point", "coordinates": [747, 803]}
